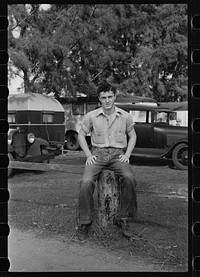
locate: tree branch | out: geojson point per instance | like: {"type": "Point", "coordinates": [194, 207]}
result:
{"type": "Point", "coordinates": [83, 32]}
{"type": "Point", "coordinates": [18, 23]}
{"type": "Point", "coordinates": [18, 74]}
{"type": "Point", "coordinates": [97, 75]}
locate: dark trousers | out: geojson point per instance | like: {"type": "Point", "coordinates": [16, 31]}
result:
{"type": "Point", "coordinates": [107, 158]}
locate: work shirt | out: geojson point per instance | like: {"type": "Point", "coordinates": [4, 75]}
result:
{"type": "Point", "coordinates": [108, 130]}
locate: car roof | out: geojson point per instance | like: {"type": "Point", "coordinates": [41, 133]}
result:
{"type": "Point", "coordinates": [34, 102]}
{"type": "Point", "coordinates": [162, 107]}
{"type": "Point", "coordinates": [138, 107]}
{"type": "Point", "coordinates": [176, 106]}
{"type": "Point", "coordinates": [132, 99]}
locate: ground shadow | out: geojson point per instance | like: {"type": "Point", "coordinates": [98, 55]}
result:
{"type": "Point", "coordinates": [151, 162]}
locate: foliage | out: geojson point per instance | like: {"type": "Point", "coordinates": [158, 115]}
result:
{"type": "Point", "coordinates": [139, 48]}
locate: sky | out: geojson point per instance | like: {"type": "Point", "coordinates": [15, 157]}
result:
{"type": "Point", "coordinates": [15, 83]}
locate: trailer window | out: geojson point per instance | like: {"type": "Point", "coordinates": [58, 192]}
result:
{"type": "Point", "coordinates": [47, 118]}
{"type": "Point", "coordinates": [11, 118]}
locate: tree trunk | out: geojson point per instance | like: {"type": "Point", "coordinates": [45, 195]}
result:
{"type": "Point", "coordinates": [26, 82]}
{"type": "Point", "coordinates": [108, 191]}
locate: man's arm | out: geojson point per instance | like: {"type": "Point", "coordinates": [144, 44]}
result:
{"type": "Point", "coordinates": [83, 144]}
{"type": "Point", "coordinates": [131, 144]}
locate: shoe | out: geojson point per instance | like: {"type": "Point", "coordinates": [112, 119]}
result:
{"type": "Point", "coordinates": [126, 228]}
{"type": "Point", "coordinates": [82, 232]}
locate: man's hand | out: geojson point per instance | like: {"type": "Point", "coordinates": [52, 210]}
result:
{"type": "Point", "coordinates": [91, 160]}
{"type": "Point", "coordinates": [124, 158]}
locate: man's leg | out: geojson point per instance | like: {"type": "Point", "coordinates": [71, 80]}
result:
{"type": "Point", "coordinates": [128, 199]}
{"type": "Point", "coordinates": [85, 201]}
{"type": "Point", "coordinates": [90, 174]}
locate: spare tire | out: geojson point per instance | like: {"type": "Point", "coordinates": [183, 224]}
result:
{"type": "Point", "coordinates": [72, 141]}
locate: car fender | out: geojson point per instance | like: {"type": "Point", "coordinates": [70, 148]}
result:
{"type": "Point", "coordinates": [41, 141]}
{"type": "Point", "coordinates": [35, 148]}
{"type": "Point", "coordinates": [169, 151]}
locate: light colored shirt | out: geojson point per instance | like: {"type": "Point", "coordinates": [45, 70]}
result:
{"type": "Point", "coordinates": [108, 130]}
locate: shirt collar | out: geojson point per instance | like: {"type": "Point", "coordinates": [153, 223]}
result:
{"type": "Point", "coordinates": [100, 111]}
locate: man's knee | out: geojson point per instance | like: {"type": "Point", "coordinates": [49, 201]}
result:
{"type": "Point", "coordinates": [128, 178]}
{"type": "Point", "coordinates": [86, 182]}
{"type": "Point", "coordinates": [128, 175]}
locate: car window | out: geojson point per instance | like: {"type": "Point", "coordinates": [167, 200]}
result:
{"type": "Point", "coordinates": [78, 108]}
{"type": "Point", "coordinates": [68, 108]}
{"type": "Point", "coordinates": [169, 118]}
{"type": "Point", "coordinates": [160, 117]}
{"type": "Point", "coordinates": [91, 107]}
{"type": "Point", "coordinates": [173, 118]}
{"type": "Point", "coordinates": [11, 118]}
{"type": "Point", "coordinates": [141, 116]}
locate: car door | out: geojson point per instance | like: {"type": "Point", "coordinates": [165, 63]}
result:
{"type": "Point", "coordinates": [144, 130]}
{"type": "Point", "coordinates": [161, 128]}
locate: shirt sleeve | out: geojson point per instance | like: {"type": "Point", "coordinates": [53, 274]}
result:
{"type": "Point", "coordinates": [129, 123]}
{"type": "Point", "coordinates": [86, 123]}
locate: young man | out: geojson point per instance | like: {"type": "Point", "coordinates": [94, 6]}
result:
{"type": "Point", "coordinates": [109, 127]}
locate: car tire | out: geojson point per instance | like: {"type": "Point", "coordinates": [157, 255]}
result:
{"type": "Point", "coordinates": [72, 141]}
{"type": "Point", "coordinates": [180, 156]}
{"type": "Point", "coordinates": [10, 170]}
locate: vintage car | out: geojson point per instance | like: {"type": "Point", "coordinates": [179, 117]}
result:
{"type": "Point", "coordinates": [158, 134]}
{"type": "Point", "coordinates": [76, 107]}
{"type": "Point", "coordinates": [36, 128]}
{"type": "Point", "coordinates": [25, 147]}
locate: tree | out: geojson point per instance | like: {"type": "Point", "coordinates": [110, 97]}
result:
{"type": "Point", "coordinates": [163, 53]}
{"type": "Point", "coordinates": [139, 48]}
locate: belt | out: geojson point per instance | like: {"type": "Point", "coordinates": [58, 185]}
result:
{"type": "Point", "coordinates": [109, 147]}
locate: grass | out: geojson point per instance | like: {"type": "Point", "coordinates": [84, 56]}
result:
{"type": "Point", "coordinates": [47, 202]}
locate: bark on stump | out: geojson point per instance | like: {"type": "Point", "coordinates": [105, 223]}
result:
{"type": "Point", "coordinates": [108, 191]}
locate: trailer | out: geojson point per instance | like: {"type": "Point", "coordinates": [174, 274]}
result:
{"type": "Point", "coordinates": [36, 129]}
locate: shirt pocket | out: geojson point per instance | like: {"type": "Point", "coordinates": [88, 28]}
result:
{"type": "Point", "coordinates": [99, 137]}
{"type": "Point", "coordinates": [119, 136]}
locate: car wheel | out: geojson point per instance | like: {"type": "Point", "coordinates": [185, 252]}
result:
{"type": "Point", "coordinates": [72, 141]}
{"type": "Point", "coordinates": [10, 170]}
{"type": "Point", "coordinates": [180, 156]}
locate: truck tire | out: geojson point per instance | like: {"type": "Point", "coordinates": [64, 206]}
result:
{"type": "Point", "coordinates": [180, 156]}
{"type": "Point", "coordinates": [10, 170]}
{"type": "Point", "coordinates": [72, 141]}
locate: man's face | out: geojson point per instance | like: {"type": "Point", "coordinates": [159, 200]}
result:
{"type": "Point", "coordinates": [107, 99]}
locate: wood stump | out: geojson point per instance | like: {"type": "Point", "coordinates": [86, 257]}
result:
{"type": "Point", "coordinates": [108, 192]}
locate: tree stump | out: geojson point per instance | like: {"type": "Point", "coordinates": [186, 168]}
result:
{"type": "Point", "coordinates": [108, 193]}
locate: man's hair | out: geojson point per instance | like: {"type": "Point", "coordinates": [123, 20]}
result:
{"type": "Point", "coordinates": [105, 86]}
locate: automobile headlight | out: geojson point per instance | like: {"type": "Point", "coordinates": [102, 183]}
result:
{"type": "Point", "coordinates": [31, 137]}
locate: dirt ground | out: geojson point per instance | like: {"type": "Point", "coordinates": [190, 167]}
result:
{"type": "Point", "coordinates": [57, 254]}
{"type": "Point", "coordinates": [42, 218]}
